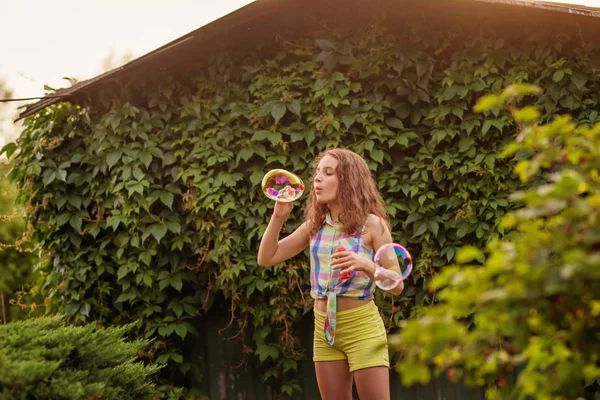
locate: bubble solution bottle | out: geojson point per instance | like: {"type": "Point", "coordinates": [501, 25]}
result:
{"type": "Point", "coordinates": [346, 275]}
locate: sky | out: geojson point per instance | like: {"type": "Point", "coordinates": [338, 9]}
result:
{"type": "Point", "coordinates": [43, 41]}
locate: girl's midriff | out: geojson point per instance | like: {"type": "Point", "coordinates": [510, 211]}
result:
{"type": "Point", "coordinates": [343, 303]}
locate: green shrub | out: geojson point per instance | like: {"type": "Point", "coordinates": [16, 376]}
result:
{"type": "Point", "coordinates": [531, 310]}
{"type": "Point", "coordinates": [41, 358]}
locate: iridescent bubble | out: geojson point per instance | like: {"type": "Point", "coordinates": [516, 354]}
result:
{"type": "Point", "coordinates": [388, 256]}
{"type": "Point", "coordinates": [282, 185]}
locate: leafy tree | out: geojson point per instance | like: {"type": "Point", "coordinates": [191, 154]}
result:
{"type": "Point", "coordinates": [41, 358]}
{"type": "Point", "coordinates": [16, 262]}
{"type": "Point", "coordinates": [16, 259]}
{"type": "Point", "coordinates": [528, 306]}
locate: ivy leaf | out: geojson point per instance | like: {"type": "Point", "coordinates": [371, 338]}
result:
{"type": "Point", "coordinates": [465, 144]}
{"type": "Point", "coordinates": [294, 107]}
{"type": "Point", "coordinates": [558, 75]}
{"type": "Point", "coordinates": [177, 283]}
{"type": "Point", "coordinates": [459, 112]}
{"type": "Point", "coordinates": [325, 45]}
{"type": "Point", "coordinates": [245, 154]}
{"type": "Point", "coordinates": [112, 158]}
{"type": "Point", "coordinates": [122, 271]}
{"type": "Point", "coordinates": [85, 309]}
{"type": "Point", "coordinates": [250, 289]}
{"type": "Point", "coordinates": [377, 155]}
{"type": "Point", "coordinates": [402, 140]}
{"type": "Point", "coordinates": [163, 358]}
{"type": "Point", "coordinates": [278, 110]}
{"type": "Point", "coordinates": [49, 176]}
{"type": "Point", "coordinates": [146, 158]}
{"type": "Point", "coordinates": [421, 69]}
{"type": "Point", "coordinates": [156, 152]}
{"type": "Point", "coordinates": [260, 285]}
{"type": "Point", "coordinates": [263, 351]}
{"type": "Point", "coordinates": [274, 137]}
{"type": "Point", "coordinates": [256, 177]}
{"type": "Point", "coordinates": [62, 219]}
{"type": "Point", "coordinates": [479, 231]}
{"type": "Point", "coordinates": [178, 358]}
{"type": "Point", "coordinates": [75, 222]}
{"type": "Point", "coordinates": [486, 126]}
{"type": "Point", "coordinates": [394, 123]}
{"type": "Point", "coordinates": [137, 188]}
{"type": "Point", "coordinates": [126, 173]}
{"type": "Point", "coordinates": [138, 174]}
{"type": "Point", "coordinates": [167, 199]}
{"type": "Point", "coordinates": [158, 231]}
{"type": "Point", "coordinates": [146, 257]}
{"type": "Point", "coordinates": [162, 284]}
{"type": "Point", "coordinates": [433, 227]}
{"type": "Point", "coordinates": [148, 280]}
{"type": "Point", "coordinates": [71, 309]}
{"type": "Point", "coordinates": [421, 228]}
{"type": "Point", "coordinates": [462, 231]}
{"type": "Point", "coordinates": [320, 83]}
{"type": "Point", "coordinates": [9, 149]}
{"type": "Point", "coordinates": [450, 254]}
{"type": "Point", "coordinates": [177, 309]}
{"type": "Point", "coordinates": [578, 78]}
{"type": "Point", "coordinates": [173, 226]}
{"type": "Point", "coordinates": [75, 201]}
{"type": "Point", "coordinates": [181, 331]}
{"type": "Point", "coordinates": [348, 120]}
{"type": "Point", "coordinates": [266, 108]}
{"type": "Point", "coordinates": [413, 217]}
{"type": "Point", "coordinates": [113, 222]}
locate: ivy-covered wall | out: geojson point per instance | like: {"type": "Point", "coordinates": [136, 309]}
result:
{"type": "Point", "coordinates": [146, 201]}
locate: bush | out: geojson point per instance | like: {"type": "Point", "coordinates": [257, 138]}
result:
{"type": "Point", "coordinates": [41, 358]}
{"type": "Point", "coordinates": [531, 310]}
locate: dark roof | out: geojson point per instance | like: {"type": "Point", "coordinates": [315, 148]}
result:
{"type": "Point", "coordinates": [266, 19]}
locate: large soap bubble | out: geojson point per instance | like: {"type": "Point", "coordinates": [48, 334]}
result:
{"type": "Point", "coordinates": [281, 185]}
{"type": "Point", "coordinates": [390, 255]}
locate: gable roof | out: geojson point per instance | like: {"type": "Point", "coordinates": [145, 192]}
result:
{"type": "Point", "coordinates": [267, 18]}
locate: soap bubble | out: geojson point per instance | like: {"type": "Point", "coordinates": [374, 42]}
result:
{"type": "Point", "coordinates": [282, 185]}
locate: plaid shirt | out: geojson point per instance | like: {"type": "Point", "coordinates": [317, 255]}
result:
{"type": "Point", "coordinates": [324, 280]}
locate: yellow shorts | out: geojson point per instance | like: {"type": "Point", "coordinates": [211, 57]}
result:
{"type": "Point", "coordinates": [360, 338]}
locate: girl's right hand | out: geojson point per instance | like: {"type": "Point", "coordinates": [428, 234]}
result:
{"type": "Point", "coordinates": [282, 210]}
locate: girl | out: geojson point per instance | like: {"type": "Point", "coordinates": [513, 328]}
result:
{"type": "Point", "coordinates": [345, 223]}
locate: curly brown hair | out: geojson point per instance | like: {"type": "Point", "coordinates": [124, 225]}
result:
{"type": "Point", "coordinates": [357, 193]}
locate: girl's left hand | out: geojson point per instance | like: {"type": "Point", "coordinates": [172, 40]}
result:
{"type": "Point", "coordinates": [349, 261]}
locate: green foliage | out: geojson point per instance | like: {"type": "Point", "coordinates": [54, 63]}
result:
{"type": "Point", "coordinates": [536, 298]}
{"type": "Point", "coordinates": [16, 258]}
{"type": "Point", "coordinates": [43, 359]}
{"type": "Point", "coordinates": [146, 198]}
